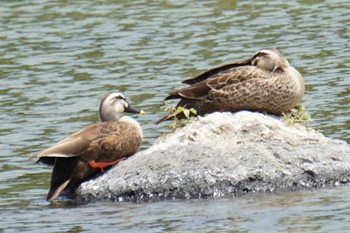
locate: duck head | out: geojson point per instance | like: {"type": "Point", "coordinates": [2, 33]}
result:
{"type": "Point", "coordinates": [112, 105]}
{"type": "Point", "coordinates": [270, 59]}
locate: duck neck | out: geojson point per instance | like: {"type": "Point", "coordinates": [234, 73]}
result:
{"type": "Point", "coordinates": [108, 113]}
{"type": "Point", "coordinates": [109, 116]}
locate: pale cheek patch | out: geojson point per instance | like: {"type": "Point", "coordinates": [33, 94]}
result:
{"type": "Point", "coordinates": [120, 106]}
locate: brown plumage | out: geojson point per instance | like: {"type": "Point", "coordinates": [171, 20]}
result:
{"type": "Point", "coordinates": [93, 148]}
{"type": "Point", "coordinates": [263, 83]}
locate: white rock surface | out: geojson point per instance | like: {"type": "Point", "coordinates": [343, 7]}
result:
{"type": "Point", "coordinates": [225, 154]}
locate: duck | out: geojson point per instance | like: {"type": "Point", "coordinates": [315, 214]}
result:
{"type": "Point", "coordinates": [264, 83]}
{"type": "Point", "coordinates": [94, 148]}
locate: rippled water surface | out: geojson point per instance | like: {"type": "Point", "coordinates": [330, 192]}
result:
{"type": "Point", "coordinates": [58, 57]}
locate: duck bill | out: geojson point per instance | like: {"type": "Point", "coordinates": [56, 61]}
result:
{"type": "Point", "coordinates": [132, 109]}
{"type": "Point", "coordinates": [252, 60]}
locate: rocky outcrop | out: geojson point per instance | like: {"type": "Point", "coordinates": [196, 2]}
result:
{"type": "Point", "coordinates": [225, 154]}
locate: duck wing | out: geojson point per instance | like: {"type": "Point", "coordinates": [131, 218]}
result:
{"type": "Point", "coordinates": [200, 91]}
{"type": "Point", "coordinates": [254, 89]}
{"type": "Point", "coordinates": [213, 71]}
{"type": "Point", "coordinates": [77, 143]}
{"type": "Point", "coordinates": [197, 91]}
{"type": "Point", "coordinates": [199, 95]}
{"type": "Point", "coordinates": [73, 145]}
{"type": "Point", "coordinates": [109, 142]}
{"type": "Point", "coordinates": [236, 76]}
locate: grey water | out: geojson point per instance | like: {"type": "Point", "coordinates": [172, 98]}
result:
{"type": "Point", "coordinates": [58, 57]}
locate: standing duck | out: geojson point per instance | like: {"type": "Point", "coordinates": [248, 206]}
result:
{"type": "Point", "coordinates": [93, 148]}
{"type": "Point", "coordinates": [264, 83]}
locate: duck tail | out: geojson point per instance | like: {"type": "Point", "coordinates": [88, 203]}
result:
{"type": "Point", "coordinates": [165, 118]}
{"type": "Point", "coordinates": [56, 191]}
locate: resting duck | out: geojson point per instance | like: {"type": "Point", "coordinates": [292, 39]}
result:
{"type": "Point", "coordinates": [264, 83]}
{"type": "Point", "coordinates": [93, 148]}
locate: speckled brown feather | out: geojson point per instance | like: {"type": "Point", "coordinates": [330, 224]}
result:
{"type": "Point", "coordinates": [101, 142]}
{"type": "Point", "coordinates": [242, 86]}
{"type": "Point", "coordinates": [93, 148]}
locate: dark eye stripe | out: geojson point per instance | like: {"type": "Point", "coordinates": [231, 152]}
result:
{"type": "Point", "coordinates": [262, 53]}
{"type": "Point", "coordinates": [255, 56]}
{"type": "Point", "coordinates": [120, 97]}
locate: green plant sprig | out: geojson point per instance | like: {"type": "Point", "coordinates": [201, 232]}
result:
{"type": "Point", "coordinates": [296, 115]}
{"type": "Point", "coordinates": [180, 122]}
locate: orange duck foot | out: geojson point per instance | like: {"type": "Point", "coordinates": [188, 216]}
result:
{"type": "Point", "coordinates": [103, 165]}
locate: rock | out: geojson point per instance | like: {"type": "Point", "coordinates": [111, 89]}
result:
{"type": "Point", "coordinates": [225, 154]}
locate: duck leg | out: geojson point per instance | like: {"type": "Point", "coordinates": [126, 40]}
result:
{"type": "Point", "coordinates": [102, 165]}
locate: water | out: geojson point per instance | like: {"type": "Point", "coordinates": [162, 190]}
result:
{"type": "Point", "coordinates": [58, 57]}
{"type": "Point", "coordinates": [325, 211]}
